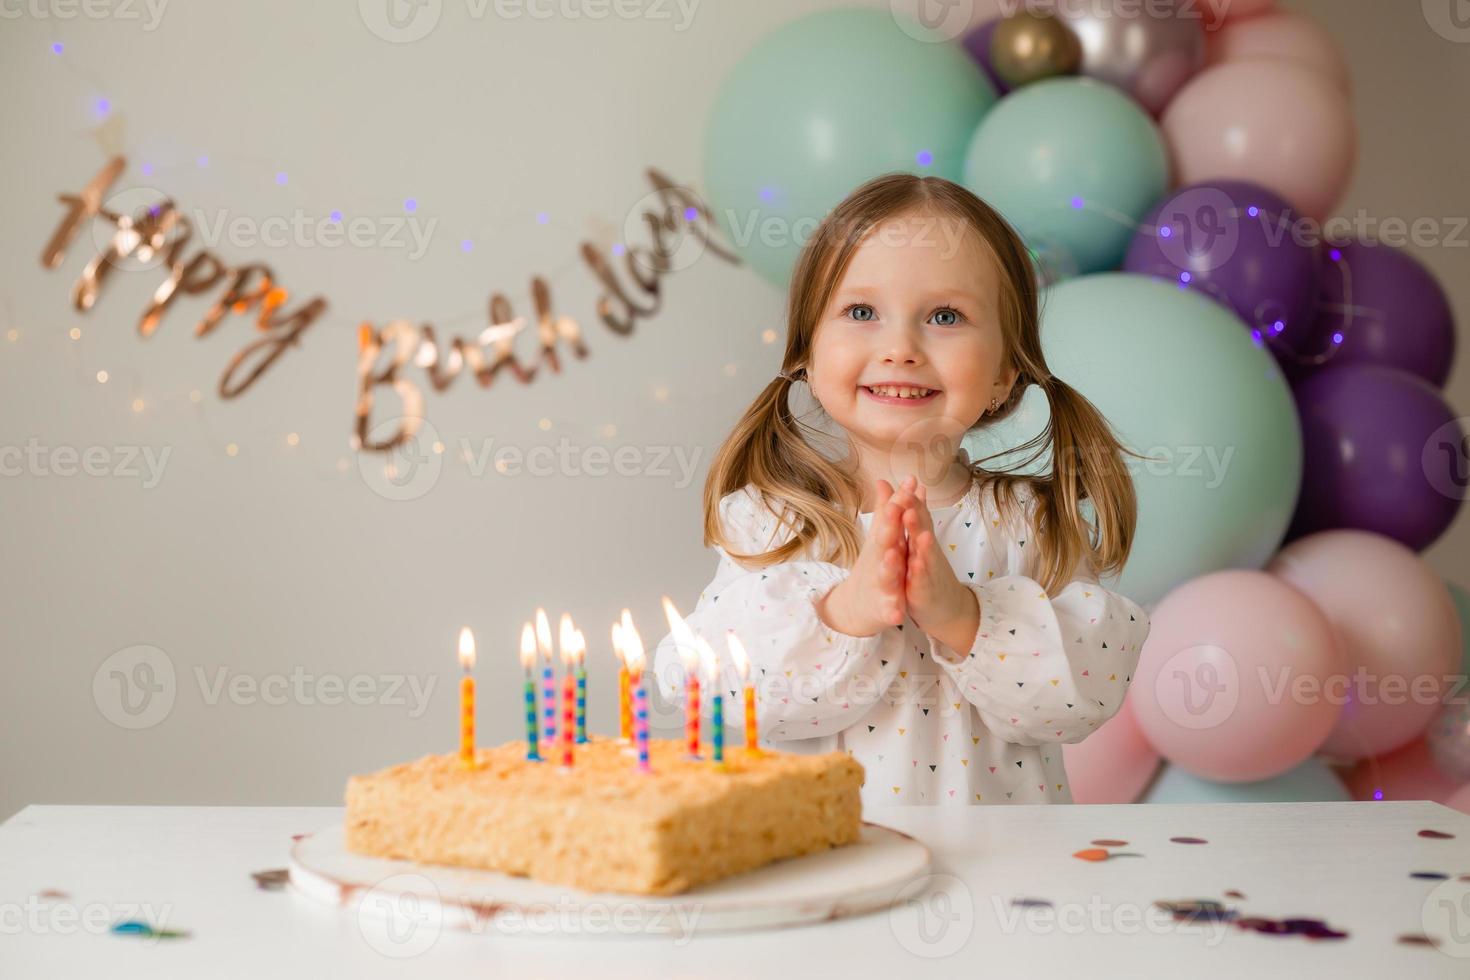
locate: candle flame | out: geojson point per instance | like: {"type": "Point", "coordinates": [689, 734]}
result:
{"type": "Point", "coordinates": [617, 644]}
{"type": "Point", "coordinates": [543, 633]}
{"type": "Point", "coordinates": [683, 636]}
{"type": "Point", "coordinates": [567, 641]}
{"type": "Point", "coordinates": [738, 654]}
{"type": "Point", "coordinates": [710, 662]}
{"type": "Point", "coordinates": [528, 647]}
{"type": "Point", "coordinates": [466, 648]}
{"type": "Point", "coordinates": [632, 648]}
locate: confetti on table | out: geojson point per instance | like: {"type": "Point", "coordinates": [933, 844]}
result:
{"type": "Point", "coordinates": [1198, 910]}
{"type": "Point", "coordinates": [1031, 903]}
{"type": "Point", "coordinates": [271, 881]}
{"type": "Point", "coordinates": [1429, 875]}
{"type": "Point", "coordinates": [1105, 842]}
{"type": "Point", "coordinates": [1232, 893]}
{"type": "Point", "coordinates": [1311, 928]}
{"type": "Point", "coordinates": [1188, 840]}
{"type": "Point", "coordinates": [1415, 939]}
{"type": "Point", "coordinates": [52, 893]}
{"type": "Point", "coordinates": [134, 928]}
{"type": "Point", "coordinates": [1102, 854]}
{"type": "Point", "coordinates": [299, 836]}
{"type": "Point", "coordinates": [1436, 835]}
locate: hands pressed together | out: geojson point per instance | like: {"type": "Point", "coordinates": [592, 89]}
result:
{"type": "Point", "coordinates": [902, 572]}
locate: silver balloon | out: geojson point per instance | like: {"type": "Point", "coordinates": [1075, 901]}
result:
{"type": "Point", "coordinates": [1147, 50]}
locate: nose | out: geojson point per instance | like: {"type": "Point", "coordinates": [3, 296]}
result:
{"type": "Point", "coordinates": [902, 347]}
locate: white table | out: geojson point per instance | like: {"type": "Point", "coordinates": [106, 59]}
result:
{"type": "Point", "coordinates": [1346, 863]}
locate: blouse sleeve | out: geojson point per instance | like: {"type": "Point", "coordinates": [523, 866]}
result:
{"type": "Point", "coordinates": [810, 679]}
{"type": "Point", "coordinates": [1046, 668]}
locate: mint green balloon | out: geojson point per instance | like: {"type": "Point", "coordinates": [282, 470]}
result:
{"type": "Point", "coordinates": [1313, 781]}
{"type": "Point", "coordinates": [1073, 164]}
{"type": "Point", "coordinates": [821, 105]}
{"type": "Point", "coordinates": [1178, 377]}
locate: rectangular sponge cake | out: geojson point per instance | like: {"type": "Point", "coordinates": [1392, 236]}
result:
{"type": "Point", "coordinates": [602, 825]}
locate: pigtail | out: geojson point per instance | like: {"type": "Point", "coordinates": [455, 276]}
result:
{"type": "Point", "coordinates": [1087, 463]}
{"type": "Point", "coordinates": [809, 492]}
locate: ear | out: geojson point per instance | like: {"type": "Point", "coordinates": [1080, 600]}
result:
{"type": "Point", "coordinates": [1006, 382]}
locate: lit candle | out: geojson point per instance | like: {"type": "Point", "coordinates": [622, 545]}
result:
{"type": "Point", "coordinates": [581, 677]}
{"type": "Point", "coordinates": [467, 698]}
{"type": "Point", "coordinates": [548, 681]}
{"type": "Point", "coordinates": [742, 665]}
{"type": "Point", "coordinates": [717, 703]}
{"type": "Point", "coordinates": [567, 642]}
{"type": "Point", "coordinates": [633, 653]}
{"type": "Point", "coordinates": [528, 664]}
{"type": "Point", "coordinates": [689, 654]}
{"type": "Point", "coordinates": [625, 692]}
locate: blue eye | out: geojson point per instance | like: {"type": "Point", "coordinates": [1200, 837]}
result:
{"type": "Point", "coordinates": [943, 311]}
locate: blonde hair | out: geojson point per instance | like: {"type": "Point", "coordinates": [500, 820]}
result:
{"type": "Point", "coordinates": [820, 501]}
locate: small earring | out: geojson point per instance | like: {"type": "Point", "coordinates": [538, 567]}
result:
{"type": "Point", "coordinates": [994, 404]}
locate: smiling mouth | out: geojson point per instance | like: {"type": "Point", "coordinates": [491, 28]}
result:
{"type": "Point", "coordinates": [899, 394]}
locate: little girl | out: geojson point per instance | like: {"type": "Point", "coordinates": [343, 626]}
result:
{"type": "Point", "coordinates": [941, 623]}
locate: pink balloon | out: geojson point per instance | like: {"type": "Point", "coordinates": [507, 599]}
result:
{"type": "Point", "coordinates": [1275, 122]}
{"type": "Point", "coordinates": [1284, 34]}
{"type": "Point", "coordinates": [1397, 629]}
{"type": "Point", "coordinates": [1230, 11]}
{"type": "Point", "coordinates": [1217, 689]}
{"type": "Point", "coordinates": [1460, 799]}
{"type": "Point", "coordinates": [1113, 764]}
{"type": "Point", "coordinates": [1407, 774]}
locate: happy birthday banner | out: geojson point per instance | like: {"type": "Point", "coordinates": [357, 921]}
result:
{"type": "Point", "coordinates": [160, 232]}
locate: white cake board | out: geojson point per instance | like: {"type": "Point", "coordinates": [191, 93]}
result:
{"type": "Point", "coordinates": [398, 899]}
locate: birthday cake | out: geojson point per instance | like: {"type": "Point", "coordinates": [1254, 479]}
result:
{"type": "Point", "coordinates": [601, 825]}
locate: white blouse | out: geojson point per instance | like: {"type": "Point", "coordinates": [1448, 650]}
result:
{"type": "Point", "coordinates": [929, 725]}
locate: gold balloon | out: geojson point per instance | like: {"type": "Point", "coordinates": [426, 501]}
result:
{"type": "Point", "coordinates": [1028, 47]}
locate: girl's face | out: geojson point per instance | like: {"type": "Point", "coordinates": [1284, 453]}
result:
{"type": "Point", "coordinates": [916, 309]}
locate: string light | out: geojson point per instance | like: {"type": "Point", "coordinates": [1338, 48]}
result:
{"type": "Point", "coordinates": [544, 424]}
{"type": "Point", "coordinates": [137, 404]}
{"type": "Point", "coordinates": [102, 377]}
{"type": "Point", "coordinates": [293, 439]}
{"type": "Point", "coordinates": [232, 450]}
{"type": "Point", "coordinates": [75, 333]}
{"type": "Point", "coordinates": [12, 335]}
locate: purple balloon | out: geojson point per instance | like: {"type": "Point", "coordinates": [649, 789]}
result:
{"type": "Point", "coordinates": [1381, 451]}
{"type": "Point", "coordinates": [1386, 308]}
{"type": "Point", "coordinates": [1233, 241]}
{"type": "Point", "coordinates": [977, 43]}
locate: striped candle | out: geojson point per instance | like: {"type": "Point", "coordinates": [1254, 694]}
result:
{"type": "Point", "coordinates": [568, 645]}
{"type": "Point", "coordinates": [528, 664]}
{"type": "Point", "coordinates": [581, 690]}
{"type": "Point", "coordinates": [467, 699]}
{"type": "Point", "coordinates": [632, 646]}
{"type": "Point", "coordinates": [640, 721]}
{"type": "Point", "coordinates": [625, 690]}
{"type": "Point", "coordinates": [548, 681]}
{"type": "Point", "coordinates": [742, 665]}
{"type": "Point", "coordinates": [710, 661]}
{"type": "Point", "coordinates": [684, 642]}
